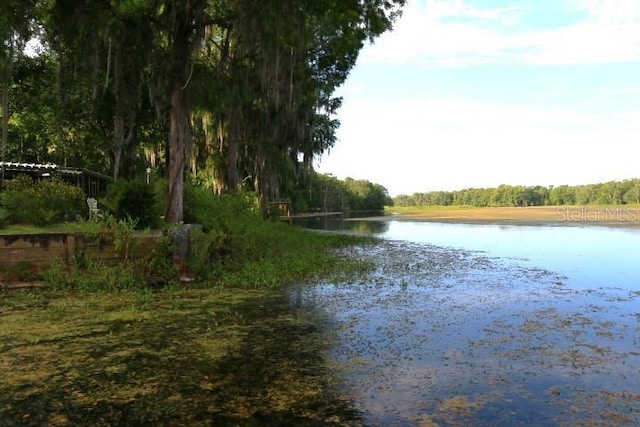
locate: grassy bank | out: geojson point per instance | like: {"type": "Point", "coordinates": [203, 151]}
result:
{"type": "Point", "coordinates": [625, 216]}
{"type": "Point", "coordinates": [100, 346]}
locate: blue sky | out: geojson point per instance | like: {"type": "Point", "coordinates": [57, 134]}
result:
{"type": "Point", "coordinates": [478, 93]}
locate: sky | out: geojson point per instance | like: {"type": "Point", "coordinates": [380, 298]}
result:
{"type": "Point", "coordinates": [478, 93]}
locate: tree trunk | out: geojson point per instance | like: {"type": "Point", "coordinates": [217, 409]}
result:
{"type": "Point", "coordinates": [118, 136]}
{"type": "Point", "coordinates": [262, 182]}
{"type": "Point", "coordinates": [183, 46]}
{"type": "Point", "coordinates": [7, 72]}
{"type": "Point", "coordinates": [62, 101]}
{"type": "Point", "coordinates": [231, 157]}
{"type": "Point", "coordinates": [177, 138]}
{"type": "Point", "coordinates": [5, 123]}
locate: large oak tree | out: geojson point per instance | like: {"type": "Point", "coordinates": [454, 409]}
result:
{"type": "Point", "coordinates": [242, 90]}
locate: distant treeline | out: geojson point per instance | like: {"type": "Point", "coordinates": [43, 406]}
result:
{"type": "Point", "coordinates": [330, 194]}
{"type": "Point", "coordinates": [608, 193]}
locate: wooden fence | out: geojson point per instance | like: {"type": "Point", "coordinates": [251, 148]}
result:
{"type": "Point", "coordinates": [32, 254]}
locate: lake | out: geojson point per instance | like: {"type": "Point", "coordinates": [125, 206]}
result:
{"type": "Point", "coordinates": [487, 325]}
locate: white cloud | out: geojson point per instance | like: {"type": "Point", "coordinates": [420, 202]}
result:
{"type": "Point", "coordinates": [625, 90]}
{"type": "Point", "coordinates": [439, 9]}
{"type": "Point", "coordinates": [452, 33]}
{"type": "Point", "coordinates": [441, 144]}
{"type": "Point", "coordinates": [610, 12]}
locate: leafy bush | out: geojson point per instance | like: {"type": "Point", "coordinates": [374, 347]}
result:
{"type": "Point", "coordinates": [202, 206]}
{"type": "Point", "coordinates": [135, 200]}
{"type": "Point", "coordinates": [41, 202]}
{"type": "Point", "coordinates": [3, 217]}
{"type": "Point", "coordinates": [67, 201]}
{"type": "Point", "coordinates": [226, 220]}
{"type": "Point", "coordinates": [208, 251]}
{"type": "Point", "coordinates": [236, 247]}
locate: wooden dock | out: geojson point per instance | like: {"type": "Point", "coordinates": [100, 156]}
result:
{"type": "Point", "coordinates": [310, 215]}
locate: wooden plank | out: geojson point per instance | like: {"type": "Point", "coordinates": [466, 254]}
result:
{"type": "Point", "coordinates": [313, 215]}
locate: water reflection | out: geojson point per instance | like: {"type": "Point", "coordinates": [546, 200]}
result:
{"type": "Point", "coordinates": [340, 222]}
{"type": "Point", "coordinates": [589, 256]}
{"type": "Point", "coordinates": [367, 227]}
{"type": "Point", "coordinates": [489, 325]}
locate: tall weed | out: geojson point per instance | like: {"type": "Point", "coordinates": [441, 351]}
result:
{"type": "Point", "coordinates": [93, 276]}
{"type": "Point", "coordinates": [85, 274]}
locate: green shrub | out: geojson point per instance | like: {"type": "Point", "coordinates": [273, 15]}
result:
{"type": "Point", "coordinates": [226, 220]}
{"type": "Point", "coordinates": [67, 201]}
{"type": "Point", "coordinates": [135, 200]}
{"type": "Point", "coordinates": [208, 251]}
{"type": "Point", "coordinates": [41, 202]}
{"type": "Point", "coordinates": [3, 217]}
{"type": "Point", "coordinates": [20, 199]}
{"type": "Point", "coordinates": [202, 206]}
{"type": "Point", "coordinates": [199, 205]}
{"type": "Point", "coordinates": [19, 183]}
{"type": "Point", "coordinates": [236, 247]}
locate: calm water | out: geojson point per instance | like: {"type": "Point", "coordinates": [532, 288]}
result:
{"type": "Point", "coordinates": [590, 257]}
{"type": "Point", "coordinates": [482, 325]}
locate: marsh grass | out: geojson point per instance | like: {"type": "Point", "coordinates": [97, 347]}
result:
{"type": "Point", "coordinates": [174, 357]}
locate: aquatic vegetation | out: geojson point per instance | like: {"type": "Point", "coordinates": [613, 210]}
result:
{"type": "Point", "coordinates": [179, 356]}
{"type": "Point", "coordinates": [441, 336]}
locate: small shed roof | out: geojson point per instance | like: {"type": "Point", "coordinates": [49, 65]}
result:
{"type": "Point", "coordinates": [92, 183]}
{"type": "Point", "coordinates": [28, 167]}
{"type": "Point", "coordinates": [48, 168]}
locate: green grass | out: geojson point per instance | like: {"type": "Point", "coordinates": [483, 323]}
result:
{"type": "Point", "coordinates": [63, 227]}
{"type": "Point", "coordinates": [13, 229]}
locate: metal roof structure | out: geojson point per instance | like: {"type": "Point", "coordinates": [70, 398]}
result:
{"type": "Point", "coordinates": [28, 167]}
{"type": "Point", "coordinates": [93, 183]}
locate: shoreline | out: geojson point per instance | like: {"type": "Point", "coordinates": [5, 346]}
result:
{"type": "Point", "coordinates": [602, 216]}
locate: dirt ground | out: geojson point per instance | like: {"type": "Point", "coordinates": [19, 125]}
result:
{"type": "Point", "coordinates": [624, 216]}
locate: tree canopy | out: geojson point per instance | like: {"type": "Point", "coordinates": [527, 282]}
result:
{"type": "Point", "coordinates": [227, 93]}
{"type": "Point", "coordinates": [330, 194]}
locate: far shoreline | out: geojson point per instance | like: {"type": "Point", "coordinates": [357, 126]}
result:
{"type": "Point", "coordinates": [627, 216]}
